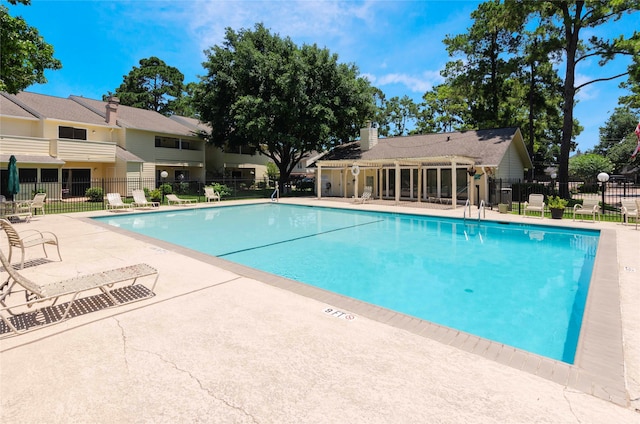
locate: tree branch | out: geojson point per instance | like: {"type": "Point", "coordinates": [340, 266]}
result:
{"type": "Point", "coordinates": [601, 79]}
{"type": "Point", "coordinates": [600, 53]}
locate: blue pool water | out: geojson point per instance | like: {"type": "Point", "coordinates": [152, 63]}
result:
{"type": "Point", "coordinates": [521, 285]}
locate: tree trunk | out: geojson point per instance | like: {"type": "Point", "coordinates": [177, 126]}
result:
{"type": "Point", "coordinates": [572, 28]}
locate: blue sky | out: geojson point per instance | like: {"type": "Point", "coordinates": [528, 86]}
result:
{"type": "Point", "coordinates": [396, 44]}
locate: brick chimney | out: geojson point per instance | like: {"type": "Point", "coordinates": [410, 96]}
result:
{"type": "Point", "coordinates": [112, 110]}
{"type": "Point", "coordinates": [368, 136]}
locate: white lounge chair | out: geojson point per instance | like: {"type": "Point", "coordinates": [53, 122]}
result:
{"type": "Point", "coordinates": [28, 238]}
{"type": "Point", "coordinates": [210, 194]}
{"type": "Point", "coordinates": [114, 202]}
{"type": "Point", "coordinates": [535, 204]}
{"type": "Point", "coordinates": [140, 200]}
{"type": "Point", "coordinates": [173, 199]}
{"type": "Point", "coordinates": [366, 195]}
{"type": "Point", "coordinates": [630, 209]}
{"type": "Point", "coordinates": [588, 207]}
{"type": "Point", "coordinates": [19, 317]}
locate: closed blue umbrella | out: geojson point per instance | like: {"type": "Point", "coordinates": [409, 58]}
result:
{"type": "Point", "coordinates": [13, 183]}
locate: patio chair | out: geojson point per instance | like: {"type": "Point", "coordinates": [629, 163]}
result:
{"type": "Point", "coordinates": [588, 207]}
{"type": "Point", "coordinates": [366, 195]}
{"type": "Point", "coordinates": [173, 199]}
{"type": "Point", "coordinates": [210, 194]}
{"type": "Point", "coordinates": [37, 203]}
{"type": "Point", "coordinates": [28, 238]}
{"type": "Point", "coordinates": [140, 200]}
{"type": "Point", "coordinates": [14, 210]}
{"type": "Point", "coordinates": [630, 209]}
{"type": "Point", "coordinates": [19, 317]}
{"type": "Point", "coordinates": [535, 204]}
{"type": "Point", "coordinates": [114, 202]}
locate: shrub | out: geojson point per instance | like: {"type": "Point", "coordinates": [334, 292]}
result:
{"type": "Point", "coordinates": [223, 189]}
{"type": "Point", "coordinates": [166, 188]}
{"type": "Point", "coordinates": [94, 194]}
{"type": "Point", "coordinates": [181, 188]}
{"type": "Point", "coordinates": [155, 194]}
{"type": "Point", "coordinates": [38, 190]}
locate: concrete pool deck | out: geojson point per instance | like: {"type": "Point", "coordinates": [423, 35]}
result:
{"type": "Point", "coordinates": [219, 343]}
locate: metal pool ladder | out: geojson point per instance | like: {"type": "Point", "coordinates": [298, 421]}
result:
{"type": "Point", "coordinates": [467, 207]}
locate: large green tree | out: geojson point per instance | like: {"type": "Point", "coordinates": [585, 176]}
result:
{"type": "Point", "coordinates": [506, 77]}
{"type": "Point", "coordinates": [24, 55]}
{"type": "Point", "coordinates": [617, 138]}
{"type": "Point", "coordinates": [263, 91]}
{"type": "Point", "coordinates": [153, 85]}
{"type": "Point", "coordinates": [587, 167]}
{"type": "Point", "coordinates": [565, 26]}
{"type": "Point", "coordinates": [400, 114]}
{"type": "Point", "coordinates": [445, 109]}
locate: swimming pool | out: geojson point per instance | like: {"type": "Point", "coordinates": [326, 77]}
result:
{"type": "Point", "coordinates": [521, 285]}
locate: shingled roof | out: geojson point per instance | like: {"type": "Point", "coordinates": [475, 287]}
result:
{"type": "Point", "coordinates": [135, 118]}
{"type": "Point", "coordinates": [485, 147]}
{"type": "Point", "coordinates": [44, 106]}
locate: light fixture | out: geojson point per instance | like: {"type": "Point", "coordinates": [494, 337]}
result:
{"type": "Point", "coordinates": [554, 176]}
{"type": "Point", "coordinates": [164, 174]}
{"type": "Point", "coordinates": [603, 177]}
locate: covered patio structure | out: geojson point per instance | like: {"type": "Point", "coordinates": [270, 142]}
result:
{"type": "Point", "coordinates": [426, 179]}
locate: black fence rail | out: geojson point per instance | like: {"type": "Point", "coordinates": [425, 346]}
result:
{"type": "Point", "coordinates": [90, 195]}
{"type": "Point", "coordinates": [515, 193]}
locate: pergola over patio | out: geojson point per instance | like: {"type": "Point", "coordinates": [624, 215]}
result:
{"type": "Point", "coordinates": [358, 167]}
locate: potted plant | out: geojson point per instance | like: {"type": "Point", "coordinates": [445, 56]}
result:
{"type": "Point", "coordinates": [556, 206]}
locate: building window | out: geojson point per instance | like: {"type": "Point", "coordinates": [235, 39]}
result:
{"type": "Point", "coordinates": [28, 175]}
{"type": "Point", "coordinates": [48, 175]}
{"type": "Point", "coordinates": [72, 133]}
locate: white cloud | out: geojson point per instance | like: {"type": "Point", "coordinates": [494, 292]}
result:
{"type": "Point", "coordinates": [416, 84]}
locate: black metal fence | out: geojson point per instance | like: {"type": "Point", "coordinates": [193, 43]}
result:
{"type": "Point", "coordinates": [515, 193]}
{"type": "Point", "coordinates": [89, 195]}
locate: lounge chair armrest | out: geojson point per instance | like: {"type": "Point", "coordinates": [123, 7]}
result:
{"type": "Point", "coordinates": [29, 233]}
{"type": "Point", "coordinates": [577, 206]}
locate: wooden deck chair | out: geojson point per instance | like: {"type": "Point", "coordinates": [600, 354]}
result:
{"type": "Point", "coordinates": [114, 202]}
{"type": "Point", "coordinates": [28, 238]}
{"type": "Point", "coordinates": [18, 317]}
{"type": "Point", "coordinates": [535, 204]}
{"type": "Point", "coordinates": [630, 209]}
{"type": "Point", "coordinates": [211, 195]}
{"type": "Point", "coordinates": [588, 207]}
{"type": "Point", "coordinates": [140, 200]}
{"type": "Point", "coordinates": [173, 199]}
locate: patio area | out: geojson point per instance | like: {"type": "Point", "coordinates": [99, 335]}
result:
{"type": "Point", "coordinates": [220, 343]}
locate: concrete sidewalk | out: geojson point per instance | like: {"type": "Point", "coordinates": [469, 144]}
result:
{"type": "Point", "coordinates": [217, 346]}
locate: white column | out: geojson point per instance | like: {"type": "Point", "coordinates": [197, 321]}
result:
{"type": "Point", "coordinates": [419, 183]}
{"type": "Point", "coordinates": [397, 189]}
{"type": "Point", "coordinates": [319, 182]}
{"type": "Point", "coordinates": [454, 185]}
